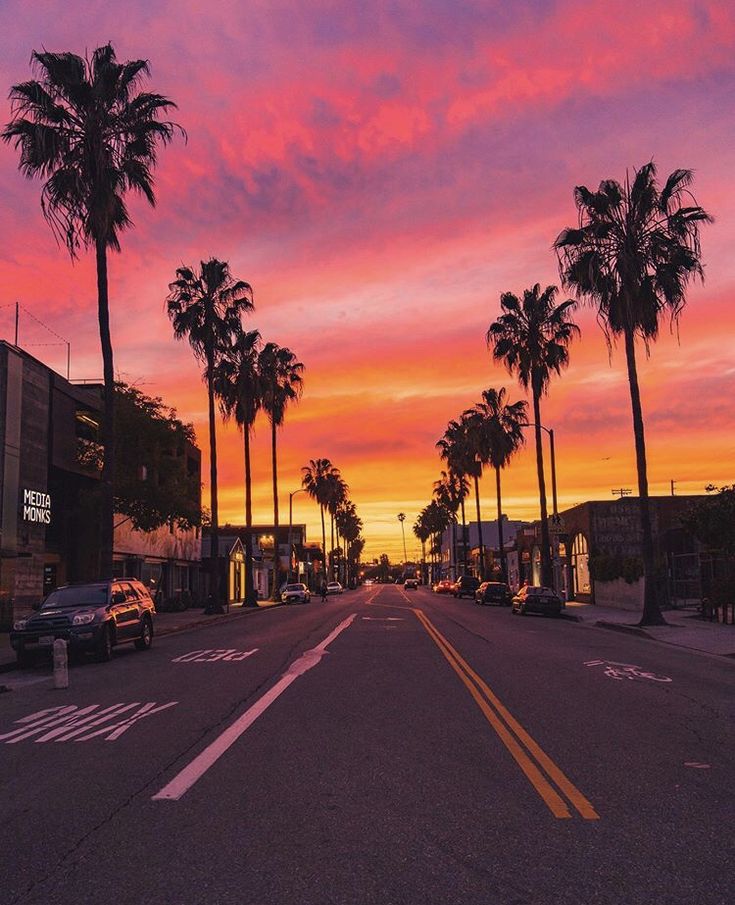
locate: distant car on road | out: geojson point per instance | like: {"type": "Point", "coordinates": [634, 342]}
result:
{"type": "Point", "coordinates": [443, 587]}
{"type": "Point", "coordinates": [494, 592]}
{"type": "Point", "coordinates": [537, 599]}
{"type": "Point", "coordinates": [295, 593]}
{"type": "Point", "coordinates": [411, 584]}
{"type": "Point", "coordinates": [465, 586]}
{"type": "Point", "coordinates": [95, 616]}
{"type": "Point", "coordinates": [334, 587]}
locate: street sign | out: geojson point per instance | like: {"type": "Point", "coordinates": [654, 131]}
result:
{"type": "Point", "coordinates": [556, 524]}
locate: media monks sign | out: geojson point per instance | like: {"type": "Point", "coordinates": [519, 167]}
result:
{"type": "Point", "coordinates": [36, 507]}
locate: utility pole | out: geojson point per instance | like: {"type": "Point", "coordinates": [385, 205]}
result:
{"type": "Point", "coordinates": [673, 484]}
{"type": "Point", "coordinates": [16, 323]}
{"type": "Point", "coordinates": [621, 492]}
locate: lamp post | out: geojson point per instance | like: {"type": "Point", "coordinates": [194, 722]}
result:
{"type": "Point", "coordinates": [402, 519]}
{"type": "Point", "coordinates": [290, 527]}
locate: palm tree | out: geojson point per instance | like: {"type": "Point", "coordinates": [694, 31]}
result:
{"type": "Point", "coordinates": [532, 339]}
{"type": "Point", "coordinates": [450, 492]}
{"type": "Point", "coordinates": [500, 424]}
{"type": "Point", "coordinates": [632, 256]}
{"type": "Point", "coordinates": [458, 447]}
{"type": "Point", "coordinates": [337, 491]}
{"type": "Point", "coordinates": [85, 129]}
{"type": "Point", "coordinates": [422, 532]}
{"type": "Point", "coordinates": [402, 518]}
{"type": "Point", "coordinates": [206, 307]}
{"type": "Point", "coordinates": [281, 382]}
{"type": "Point", "coordinates": [437, 521]}
{"type": "Point", "coordinates": [237, 384]}
{"type": "Point", "coordinates": [317, 480]}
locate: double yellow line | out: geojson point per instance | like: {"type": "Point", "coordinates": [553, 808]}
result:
{"type": "Point", "coordinates": [538, 767]}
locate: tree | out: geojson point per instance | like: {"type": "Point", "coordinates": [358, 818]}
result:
{"type": "Point", "coordinates": [450, 492]}
{"type": "Point", "coordinates": [423, 533]}
{"type": "Point", "coordinates": [532, 339]}
{"type": "Point", "coordinates": [237, 385]}
{"type": "Point", "coordinates": [317, 480]}
{"type": "Point", "coordinates": [85, 129]}
{"type": "Point", "coordinates": [337, 491]}
{"type": "Point", "coordinates": [206, 307]}
{"type": "Point", "coordinates": [499, 427]}
{"type": "Point", "coordinates": [458, 448]}
{"type": "Point", "coordinates": [712, 519]}
{"type": "Point", "coordinates": [631, 257]}
{"type": "Point", "coordinates": [281, 383]}
{"type": "Point", "coordinates": [153, 485]}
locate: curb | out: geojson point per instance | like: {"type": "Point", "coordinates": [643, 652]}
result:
{"type": "Point", "coordinates": [203, 621]}
{"type": "Point", "coordinates": [626, 629]}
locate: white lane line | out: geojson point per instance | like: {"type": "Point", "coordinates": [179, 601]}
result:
{"type": "Point", "coordinates": [184, 780]}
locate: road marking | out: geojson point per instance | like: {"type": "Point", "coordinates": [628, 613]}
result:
{"type": "Point", "coordinates": [382, 618]}
{"type": "Point", "coordinates": [62, 724]}
{"type": "Point", "coordinates": [622, 671]}
{"type": "Point", "coordinates": [213, 656]}
{"type": "Point", "coordinates": [184, 780]}
{"type": "Point", "coordinates": [527, 753]}
{"type": "Point", "coordinates": [697, 766]}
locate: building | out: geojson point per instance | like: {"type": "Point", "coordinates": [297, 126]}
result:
{"type": "Point", "coordinates": [596, 550]}
{"type": "Point", "coordinates": [49, 472]}
{"type": "Point", "coordinates": [451, 540]}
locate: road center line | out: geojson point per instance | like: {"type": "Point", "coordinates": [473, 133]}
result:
{"type": "Point", "coordinates": [518, 742]}
{"type": "Point", "coordinates": [184, 780]}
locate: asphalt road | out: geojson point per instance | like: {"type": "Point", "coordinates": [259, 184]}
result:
{"type": "Point", "coordinates": [387, 746]}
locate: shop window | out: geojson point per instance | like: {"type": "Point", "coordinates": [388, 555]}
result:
{"type": "Point", "coordinates": [581, 565]}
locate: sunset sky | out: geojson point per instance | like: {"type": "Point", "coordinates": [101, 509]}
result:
{"type": "Point", "coordinates": [380, 173]}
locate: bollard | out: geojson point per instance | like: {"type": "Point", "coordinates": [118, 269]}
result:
{"type": "Point", "coordinates": [61, 664]}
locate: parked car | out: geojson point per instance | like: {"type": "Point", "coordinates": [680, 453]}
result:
{"type": "Point", "coordinates": [537, 599]}
{"type": "Point", "coordinates": [95, 616]}
{"type": "Point", "coordinates": [334, 587]}
{"type": "Point", "coordinates": [494, 592]}
{"type": "Point", "coordinates": [295, 593]}
{"type": "Point", "coordinates": [443, 587]}
{"type": "Point", "coordinates": [465, 586]}
{"type": "Point", "coordinates": [411, 584]}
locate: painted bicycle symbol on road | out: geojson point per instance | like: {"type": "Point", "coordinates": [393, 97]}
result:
{"type": "Point", "coordinates": [622, 671]}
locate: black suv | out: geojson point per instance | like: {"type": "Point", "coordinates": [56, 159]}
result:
{"type": "Point", "coordinates": [94, 616]}
{"type": "Point", "coordinates": [494, 592]}
{"type": "Point", "coordinates": [465, 586]}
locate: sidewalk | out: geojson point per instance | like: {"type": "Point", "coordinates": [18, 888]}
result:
{"type": "Point", "coordinates": [165, 624]}
{"type": "Point", "coordinates": [685, 628]}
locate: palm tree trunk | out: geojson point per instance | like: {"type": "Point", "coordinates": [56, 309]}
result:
{"type": "Point", "coordinates": [331, 553]}
{"type": "Point", "coordinates": [501, 543]}
{"type": "Point", "coordinates": [216, 603]}
{"type": "Point", "coordinates": [479, 529]}
{"type": "Point", "coordinates": [250, 595]}
{"type": "Point", "coordinates": [546, 576]}
{"type": "Point", "coordinates": [464, 539]}
{"type": "Point", "coordinates": [651, 609]}
{"type": "Point", "coordinates": [276, 549]}
{"type": "Point", "coordinates": [324, 546]}
{"type": "Point", "coordinates": [107, 513]}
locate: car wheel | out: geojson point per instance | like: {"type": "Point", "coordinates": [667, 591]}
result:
{"type": "Point", "coordinates": [146, 635]}
{"type": "Point", "coordinates": [104, 645]}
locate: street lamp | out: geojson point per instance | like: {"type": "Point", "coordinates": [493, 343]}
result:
{"type": "Point", "coordinates": [290, 527]}
{"type": "Point", "coordinates": [402, 519]}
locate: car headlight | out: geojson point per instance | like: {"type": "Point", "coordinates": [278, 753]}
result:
{"type": "Point", "coordinates": [83, 619]}
{"type": "Point", "coordinates": [20, 625]}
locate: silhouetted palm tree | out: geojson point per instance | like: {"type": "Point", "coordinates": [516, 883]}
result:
{"type": "Point", "coordinates": [458, 447]}
{"type": "Point", "coordinates": [423, 533]}
{"type": "Point", "coordinates": [85, 129]}
{"type": "Point", "coordinates": [337, 495]}
{"type": "Point", "coordinates": [632, 256]}
{"type": "Point", "coordinates": [500, 426]}
{"type": "Point", "coordinates": [237, 384]}
{"type": "Point", "coordinates": [206, 307]}
{"type": "Point", "coordinates": [317, 480]}
{"type": "Point", "coordinates": [450, 492]}
{"type": "Point", "coordinates": [532, 339]}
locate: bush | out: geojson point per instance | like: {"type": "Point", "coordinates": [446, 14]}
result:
{"type": "Point", "coordinates": [610, 567]}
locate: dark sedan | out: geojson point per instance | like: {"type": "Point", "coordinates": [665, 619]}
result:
{"type": "Point", "coordinates": [89, 617]}
{"type": "Point", "coordinates": [537, 599]}
{"type": "Point", "coordinates": [494, 592]}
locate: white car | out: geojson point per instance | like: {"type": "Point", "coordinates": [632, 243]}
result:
{"type": "Point", "coordinates": [334, 587]}
{"type": "Point", "coordinates": [295, 593]}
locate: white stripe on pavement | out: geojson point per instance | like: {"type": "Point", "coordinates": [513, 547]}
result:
{"type": "Point", "coordinates": [183, 781]}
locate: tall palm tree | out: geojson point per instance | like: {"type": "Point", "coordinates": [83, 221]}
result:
{"type": "Point", "coordinates": [532, 337]}
{"type": "Point", "coordinates": [423, 533]}
{"type": "Point", "coordinates": [206, 307]}
{"type": "Point", "coordinates": [632, 256]}
{"type": "Point", "coordinates": [237, 385]}
{"type": "Point", "coordinates": [85, 128]}
{"type": "Point", "coordinates": [437, 520]}
{"type": "Point", "coordinates": [458, 447]}
{"type": "Point", "coordinates": [450, 492]}
{"type": "Point", "coordinates": [317, 480]}
{"type": "Point", "coordinates": [500, 424]}
{"type": "Point", "coordinates": [281, 383]}
{"type": "Point", "coordinates": [336, 497]}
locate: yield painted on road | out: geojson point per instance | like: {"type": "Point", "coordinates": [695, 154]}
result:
{"type": "Point", "coordinates": [80, 724]}
{"type": "Point", "coordinates": [543, 774]}
{"type": "Point", "coordinates": [215, 656]}
{"type": "Point", "coordinates": [626, 671]}
{"type": "Point", "coordinates": [183, 781]}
